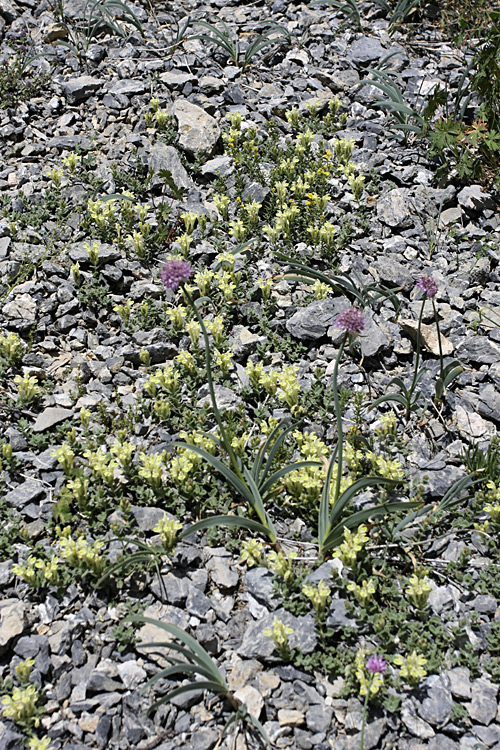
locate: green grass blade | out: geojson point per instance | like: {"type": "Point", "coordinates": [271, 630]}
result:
{"type": "Point", "coordinates": [353, 490]}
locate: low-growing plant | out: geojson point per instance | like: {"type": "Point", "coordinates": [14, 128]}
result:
{"type": "Point", "coordinates": [195, 662]}
{"type": "Point", "coordinates": [97, 17]}
{"type": "Point", "coordinates": [229, 42]}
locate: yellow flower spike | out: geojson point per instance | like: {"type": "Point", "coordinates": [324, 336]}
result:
{"type": "Point", "coordinates": [411, 667]}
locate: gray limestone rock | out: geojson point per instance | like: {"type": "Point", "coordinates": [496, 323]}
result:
{"type": "Point", "coordinates": [219, 165]}
{"type": "Point", "coordinates": [221, 573]}
{"type": "Point", "coordinates": [393, 273]}
{"type": "Point", "coordinates": [162, 157]}
{"type": "Point", "coordinates": [366, 49]}
{"type": "Point", "coordinates": [50, 417]}
{"type": "Point", "coordinates": [459, 681]}
{"type": "Point", "coordinates": [259, 583]}
{"type": "Point", "coordinates": [27, 492]}
{"type": "Point", "coordinates": [393, 209]}
{"type": "Point", "coordinates": [224, 397]}
{"type": "Point", "coordinates": [312, 322]}
{"type": "Point", "coordinates": [415, 725]}
{"type": "Point", "coordinates": [12, 621]}
{"type": "Point", "coordinates": [244, 342]}
{"type": "Point", "coordinates": [472, 198]}
{"type": "Point", "coordinates": [77, 89]}
{"type": "Point", "coordinates": [198, 131]}
{"type": "Point", "coordinates": [128, 87]}
{"type": "Point", "coordinates": [436, 707]}
{"type": "Point", "coordinates": [319, 717]}
{"type": "Point", "coordinates": [257, 645]}
{"type": "Point", "coordinates": [483, 705]}
{"type": "Point", "coordinates": [22, 309]}
{"type": "Point", "coordinates": [478, 349]}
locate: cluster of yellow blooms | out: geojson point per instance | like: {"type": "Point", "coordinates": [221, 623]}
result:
{"type": "Point", "coordinates": [353, 543]}
{"type": "Point", "coordinates": [418, 591]}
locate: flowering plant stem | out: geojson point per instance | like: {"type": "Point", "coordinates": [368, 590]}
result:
{"type": "Point", "coordinates": [363, 720]}
{"type": "Point", "coordinates": [330, 526]}
{"type": "Point", "coordinates": [208, 365]}
{"type": "Point", "coordinates": [416, 376]}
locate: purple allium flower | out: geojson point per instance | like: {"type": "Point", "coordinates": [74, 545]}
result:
{"type": "Point", "coordinates": [428, 285]}
{"type": "Point", "coordinates": [174, 273]}
{"type": "Point", "coordinates": [351, 320]}
{"type": "Point", "coordinates": [376, 664]}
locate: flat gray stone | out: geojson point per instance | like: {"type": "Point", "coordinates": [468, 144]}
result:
{"type": "Point", "coordinates": [259, 583]}
{"type": "Point", "coordinates": [459, 680]}
{"type": "Point", "coordinates": [478, 349]}
{"type": "Point", "coordinates": [224, 397]}
{"type": "Point", "coordinates": [415, 725]}
{"type": "Point", "coordinates": [77, 89]}
{"type": "Point", "coordinates": [436, 707]}
{"type": "Point", "coordinates": [69, 142]}
{"type": "Point", "coordinates": [177, 79]}
{"type": "Point", "coordinates": [473, 198]}
{"type": "Point", "coordinates": [393, 209]}
{"type": "Point", "coordinates": [221, 573]}
{"type": "Point", "coordinates": [128, 87]}
{"type": "Point", "coordinates": [312, 322]}
{"type": "Point", "coordinates": [12, 621]}
{"type": "Point", "coordinates": [22, 307]}
{"type": "Point", "coordinates": [219, 165]}
{"type": "Point", "coordinates": [50, 417]}
{"type": "Point", "coordinates": [319, 718]}
{"type": "Point", "coordinates": [366, 49]}
{"type": "Point", "coordinates": [27, 492]}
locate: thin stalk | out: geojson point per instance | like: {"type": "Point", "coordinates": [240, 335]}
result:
{"type": "Point", "coordinates": [338, 416]}
{"type": "Point", "coordinates": [441, 365]}
{"type": "Point", "coordinates": [417, 362]}
{"type": "Point", "coordinates": [363, 721]}
{"type": "Point", "coordinates": [210, 382]}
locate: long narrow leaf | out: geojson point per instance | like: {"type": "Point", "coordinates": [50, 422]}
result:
{"type": "Point", "coordinates": [212, 521]}
{"type": "Point", "coordinates": [336, 535]}
{"type": "Point", "coordinates": [185, 638]}
{"type": "Point", "coordinates": [324, 506]}
{"type": "Point", "coordinates": [353, 490]}
{"type": "Point", "coordinates": [226, 472]}
{"type": "Point", "coordinates": [214, 687]}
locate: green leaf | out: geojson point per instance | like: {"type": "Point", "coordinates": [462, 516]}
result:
{"type": "Point", "coordinates": [166, 174]}
{"type": "Point", "coordinates": [356, 519]}
{"type": "Point", "coordinates": [238, 521]}
{"type": "Point", "coordinates": [214, 687]}
{"type": "Point", "coordinates": [188, 640]}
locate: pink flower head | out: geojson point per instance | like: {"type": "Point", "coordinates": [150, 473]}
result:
{"type": "Point", "coordinates": [174, 273]}
{"type": "Point", "coordinates": [351, 320]}
{"type": "Point", "coordinates": [428, 285]}
{"type": "Point", "coordinates": [376, 664]}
